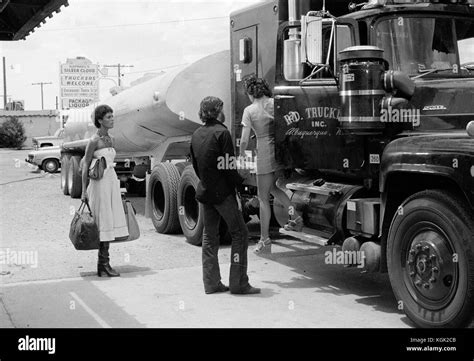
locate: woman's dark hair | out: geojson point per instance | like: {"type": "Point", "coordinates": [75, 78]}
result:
{"type": "Point", "coordinates": [257, 87]}
{"type": "Point", "coordinates": [100, 112]}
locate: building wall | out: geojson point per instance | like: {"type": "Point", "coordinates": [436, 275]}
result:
{"type": "Point", "coordinates": [37, 123]}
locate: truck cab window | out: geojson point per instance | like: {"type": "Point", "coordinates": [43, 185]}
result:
{"type": "Point", "coordinates": [465, 36]}
{"type": "Point", "coordinates": [295, 69]}
{"type": "Point", "coordinates": [417, 45]}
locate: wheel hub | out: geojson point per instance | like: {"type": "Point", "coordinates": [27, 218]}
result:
{"type": "Point", "coordinates": [430, 267]}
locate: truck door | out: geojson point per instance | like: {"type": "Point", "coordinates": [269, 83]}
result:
{"type": "Point", "coordinates": [307, 110]}
{"type": "Point", "coordinates": [244, 62]}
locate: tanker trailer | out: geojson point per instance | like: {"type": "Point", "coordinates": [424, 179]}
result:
{"type": "Point", "coordinates": [154, 122]}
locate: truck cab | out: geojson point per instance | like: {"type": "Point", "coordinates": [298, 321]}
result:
{"type": "Point", "coordinates": [371, 108]}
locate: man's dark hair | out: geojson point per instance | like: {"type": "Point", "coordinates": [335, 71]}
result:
{"type": "Point", "coordinates": [210, 109]}
{"type": "Point", "coordinates": [100, 112]}
{"type": "Point", "coordinates": [257, 87]}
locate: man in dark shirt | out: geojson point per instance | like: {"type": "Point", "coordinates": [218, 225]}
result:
{"type": "Point", "coordinates": [213, 158]}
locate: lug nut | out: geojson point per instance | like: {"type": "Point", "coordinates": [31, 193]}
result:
{"type": "Point", "coordinates": [418, 283]}
{"type": "Point", "coordinates": [412, 252]}
{"type": "Point", "coordinates": [432, 280]}
{"type": "Point", "coordinates": [435, 269]}
{"type": "Point", "coordinates": [418, 246]}
{"type": "Point", "coordinates": [426, 248]}
{"type": "Point", "coordinates": [410, 262]}
{"type": "Point", "coordinates": [426, 285]}
{"type": "Point", "coordinates": [412, 274]}
{"type": "Point", "coordinates": [433, 257]}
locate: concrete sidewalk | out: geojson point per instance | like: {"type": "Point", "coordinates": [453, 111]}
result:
{"type": "Point", "coordinates": [175, 298]}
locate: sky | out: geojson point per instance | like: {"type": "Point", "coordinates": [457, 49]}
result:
{"type": "Point", "coordinates": [149, 34]}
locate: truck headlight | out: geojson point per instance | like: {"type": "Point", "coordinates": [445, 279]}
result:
{"type": "Point", "coordinates": [470, 129]}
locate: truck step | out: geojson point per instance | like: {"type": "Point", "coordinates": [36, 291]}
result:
{"type": "Point", "coordinates": [307, 234]}
{"type": "Point", "coordinates": [326, 189]}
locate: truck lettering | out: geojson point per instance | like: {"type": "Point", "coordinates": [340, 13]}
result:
{"type": "Point", "coordinates": [322, 112]}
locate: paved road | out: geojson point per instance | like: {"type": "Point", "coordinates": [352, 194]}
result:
{"type": "Point", "coordinates": [161, 282]}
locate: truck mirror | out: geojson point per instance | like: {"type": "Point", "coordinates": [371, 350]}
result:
{"type": "Point", "coordinates": [312, 39]}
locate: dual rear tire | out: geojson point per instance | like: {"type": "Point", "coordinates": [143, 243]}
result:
{"type": "Point", "coordinates": [173, 203]}
{"type": "Point", "coordinates": [71, 178]}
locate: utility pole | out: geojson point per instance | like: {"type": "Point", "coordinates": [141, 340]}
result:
{"type": "Point", "coordinates": [4, 84]}
{"type": "Point", "coordinates": [41, 84]}
{"type": "Point", "coordinates": [119, 66]}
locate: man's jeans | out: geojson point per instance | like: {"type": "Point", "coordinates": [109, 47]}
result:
{"type": "Point", "coordinates": [229, 211]}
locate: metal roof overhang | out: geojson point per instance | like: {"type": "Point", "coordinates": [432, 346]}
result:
{"type": "Point", "coordinates": [18, 18]}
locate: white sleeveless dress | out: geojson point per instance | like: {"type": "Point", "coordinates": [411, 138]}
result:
{"type": "Point", "coordinates": [106, 202]}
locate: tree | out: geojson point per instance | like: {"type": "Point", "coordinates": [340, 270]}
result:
{"type": "Point", "coordinates": [12, 133]}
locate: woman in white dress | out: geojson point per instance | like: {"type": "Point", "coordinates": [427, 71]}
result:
{"type": "Point", "coordinates": [104, 194]}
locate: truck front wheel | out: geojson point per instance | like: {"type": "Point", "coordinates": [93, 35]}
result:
{"type": "Point", "coordinates": [430, 259]}
{"type": "Point", "coordinates": [163, 191]}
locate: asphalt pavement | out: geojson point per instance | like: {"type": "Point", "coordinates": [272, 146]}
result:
{"type": "Point", "coordinates": [53, 285]}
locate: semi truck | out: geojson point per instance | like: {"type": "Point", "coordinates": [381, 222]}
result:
{"type": "Point", "coordinates": [373, 122]}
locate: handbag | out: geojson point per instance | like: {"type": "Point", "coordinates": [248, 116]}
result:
{"type": "Point", "coordinates": [84, 233]}
{"type": "Point", "coordinates": [132, 224]}
{"type": "Point", "coordinates": [97, 167]}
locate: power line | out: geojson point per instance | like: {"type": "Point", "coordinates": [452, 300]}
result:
{"type": "Point", "coordinates": [137, 24]}
{"type": "Point", "coordinates": [167, 67]}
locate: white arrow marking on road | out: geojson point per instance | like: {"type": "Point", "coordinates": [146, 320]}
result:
{"type": "Point", "coordinates": [89, 310]}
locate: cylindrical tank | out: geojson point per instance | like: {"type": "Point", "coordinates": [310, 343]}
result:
{"type": "Point", "coordinates": [362, 69]}
{"type": "Point", "coordinates": [166, 106]}
{"type": "Point", "coordinates": [293, 68]}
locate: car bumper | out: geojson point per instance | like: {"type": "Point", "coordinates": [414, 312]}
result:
{"type": "Point", "coordinates": [31, 161]}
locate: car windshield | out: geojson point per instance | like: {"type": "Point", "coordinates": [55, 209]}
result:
{"type": "Point", "coordinates": [418, 45]}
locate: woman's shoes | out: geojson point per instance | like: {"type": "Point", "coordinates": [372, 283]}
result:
{"type": "Point", "coordinates": [264, 245]}
{"type": "Point", "coordinates": [294, 224]}
{"type": "Point", "coordinates": [107, 270]}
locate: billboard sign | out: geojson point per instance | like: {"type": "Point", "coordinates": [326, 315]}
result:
{"type": "Point", "coordinates": [79, 83]}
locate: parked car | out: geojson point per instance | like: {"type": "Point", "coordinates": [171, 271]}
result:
{"type": "Point", "coordinates": [46, 158]}
{"type": "Point", "coordinates": [49, 140]}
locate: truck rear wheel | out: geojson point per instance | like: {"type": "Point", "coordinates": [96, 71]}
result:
{"type": "Point", "coordinates": [163, 190]}
{"type": "Point", "coordinates": [189, 209]}
{"type": "Point", "coordinates": [64, 173]}
{"type": "Point", "coordinates": [74, 177]}
{"type": "Point", "coordinates": [431, 259]}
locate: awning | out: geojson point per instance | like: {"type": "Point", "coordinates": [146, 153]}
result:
{"type": "Point", "coordinates": [18, 18]}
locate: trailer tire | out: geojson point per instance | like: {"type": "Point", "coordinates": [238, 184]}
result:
{"type": "Point", "coordinates": [430, 259]}
{"type": "Point", "coordinates": [189, 209]}
{"type": "Point", "coordinates": [181, 166]}
{"type": "Point", "coordinates": [163, 190]}
{"type": "Point", "coordinates": [64, 173]}
{"type": "Point", "coordinates": [74, 177]}
{"type": "Point", "coordinates": [50, 165]}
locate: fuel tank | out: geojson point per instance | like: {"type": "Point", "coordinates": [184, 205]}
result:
{"type": "Point", "coordinates": [164, 107]}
